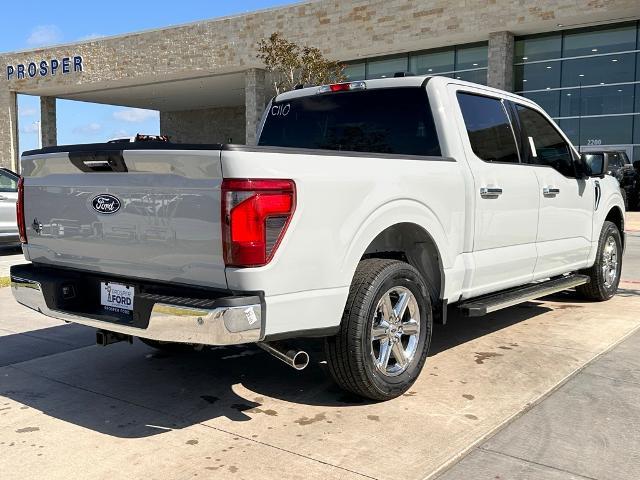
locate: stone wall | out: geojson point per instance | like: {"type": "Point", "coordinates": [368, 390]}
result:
{"type": "Point", "coordinates": [210, 125]}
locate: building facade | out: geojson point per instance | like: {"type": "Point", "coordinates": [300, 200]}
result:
{"type": "Point", "coordinates": [580, 59]}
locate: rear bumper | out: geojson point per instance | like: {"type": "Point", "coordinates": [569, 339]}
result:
{"type": "Point", "coordinates": [227, 320]}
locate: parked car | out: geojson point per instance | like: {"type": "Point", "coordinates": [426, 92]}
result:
{"type": "Point", "coordinates": [628, 176]}
{"type": "Point", "coordinates": [366, 209]}
{"type": "Point", "coordinates": [8, 198]}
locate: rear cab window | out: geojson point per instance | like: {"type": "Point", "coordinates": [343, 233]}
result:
{"type": "Point", "coordinates": [383, 121]}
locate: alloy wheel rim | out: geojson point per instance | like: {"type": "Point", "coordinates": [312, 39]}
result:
{"type": "Point", "coordinates": [395, 331]}
{"type": "Point", "coordinates": [610, 262]}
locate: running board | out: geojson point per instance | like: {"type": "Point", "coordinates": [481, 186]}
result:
{"type": "Point", "coordinates": [476, 307]}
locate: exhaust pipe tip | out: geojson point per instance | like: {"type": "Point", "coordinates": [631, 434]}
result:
{"type": "Point", "coordinates": [297, 359]}
{"type": "Point", "coordinates": [300, 360]}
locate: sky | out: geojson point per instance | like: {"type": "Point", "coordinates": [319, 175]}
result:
{"type": "Point", "coordinates": [31, 24]}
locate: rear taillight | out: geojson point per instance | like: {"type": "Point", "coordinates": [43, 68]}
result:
{"type": "Point", "coordinates": [255, 216]}
{"type": "Point", "coordinates": [22, 229]}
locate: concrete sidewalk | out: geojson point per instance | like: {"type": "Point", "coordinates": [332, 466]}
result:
{"type": "Point", "coordinates": [589, 428]}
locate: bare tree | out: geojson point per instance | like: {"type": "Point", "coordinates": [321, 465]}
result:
{"type": "Point", "coordinates": [291, 64]}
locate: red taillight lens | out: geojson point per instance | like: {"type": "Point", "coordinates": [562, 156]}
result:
{"type": "Point", "coordinates": [22, 229]}
{"type": "Point", "coordinates": [340, 87]}
{"type": "Point", "coordinates": [255, 216]}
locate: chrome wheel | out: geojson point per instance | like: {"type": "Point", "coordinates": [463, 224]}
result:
{"type": "Point", "coordinates": [610, 262]}
{"type": "Point", "coordinates": [395, 331]}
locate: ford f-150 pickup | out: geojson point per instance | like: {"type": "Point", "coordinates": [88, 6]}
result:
{"type": "Point", "coordinates": [365, 211]}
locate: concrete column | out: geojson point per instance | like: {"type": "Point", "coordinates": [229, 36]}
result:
{"type": "Point", "coordinates": [48, 121]}
{"type": "Point", "coordinates": [9, 150]}
{"type": "Point", "coordinates": [500, 71]}
{"type": "Point", "coordinates": [255, 100]}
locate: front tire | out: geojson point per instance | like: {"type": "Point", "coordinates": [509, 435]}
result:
{"type": "Point", "coordinates": [385, 332]}
{"type": "Point", "coordinates": [605, 273]}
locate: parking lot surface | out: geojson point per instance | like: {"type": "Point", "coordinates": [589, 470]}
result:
{"type": "Point", "coordinates": [10, 255]}
{"type": "Point", "coordinates": [70, 409]}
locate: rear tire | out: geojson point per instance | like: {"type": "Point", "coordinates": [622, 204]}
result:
{"type": "Point", "coordinates": [605, 272]}
{"type": "Point", "coordinates": [385, 332]}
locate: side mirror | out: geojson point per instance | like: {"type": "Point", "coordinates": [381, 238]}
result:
{"type": "Point", "coordinates": [597, 164]}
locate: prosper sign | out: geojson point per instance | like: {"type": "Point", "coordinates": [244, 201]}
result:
{"type": "Point", "coordinates": [45, 68]}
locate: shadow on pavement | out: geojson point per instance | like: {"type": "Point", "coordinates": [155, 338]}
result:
{"type": "Point", "coordinates": [10, 250]}
{"type": "Point", "coordinates": [135, 391]}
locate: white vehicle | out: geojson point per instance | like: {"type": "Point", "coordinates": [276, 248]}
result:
{"type": "Point", "coordinates": [367, 208]}
{"type": "Point", "coordinates": [8, 198]}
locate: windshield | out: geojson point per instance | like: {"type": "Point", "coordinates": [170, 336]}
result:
{"type": "Point", "coordinates": [394, 121]}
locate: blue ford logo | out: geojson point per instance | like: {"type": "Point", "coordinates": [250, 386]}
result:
{"type": "Point", "coordinates": [105, 204]}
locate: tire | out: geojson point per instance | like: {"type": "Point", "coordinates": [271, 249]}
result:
{"type": "Point", "coordinates": [350, 353]}
{"type": "Point", "coordinates": [601, 286]}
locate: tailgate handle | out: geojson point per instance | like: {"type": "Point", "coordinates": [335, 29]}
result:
{"type": "Point", "coordinates": [99, 161]}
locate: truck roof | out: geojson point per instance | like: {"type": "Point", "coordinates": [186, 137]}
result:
{"type": "Point", "coordinates": [395, 82]}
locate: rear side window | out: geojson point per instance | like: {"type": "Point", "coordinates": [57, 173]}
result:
{"type": "Point", "coordinates": [545, 145]}
{"type": "Point", "coordinates": [488, 127]}
{"type": "Point", "coordinates": [394, 121]}
{"type": "Point", "coordinates": [8, 182]}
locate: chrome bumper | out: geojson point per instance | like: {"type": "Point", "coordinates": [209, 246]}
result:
{"type": "Point", "coordinates": [228, 325]}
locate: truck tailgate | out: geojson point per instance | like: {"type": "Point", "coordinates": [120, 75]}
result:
{"type": "Point", "coordinates": [143, 213]}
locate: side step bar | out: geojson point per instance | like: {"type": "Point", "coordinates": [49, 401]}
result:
{"type": "Point", "coordinates": [476, 307]}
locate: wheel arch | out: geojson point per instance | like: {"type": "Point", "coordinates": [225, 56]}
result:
{"type": "Point", "coordinates": [413, 244]}
{"type": "Point", "coordinates": [616, 217]}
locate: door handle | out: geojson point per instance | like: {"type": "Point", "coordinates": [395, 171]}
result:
{"type": "Point", "coordinates": [2, 197]}
{"type": "Point", "coordinates": [490, 192]}
{"type": "Point", "coordinates": [550, 191]}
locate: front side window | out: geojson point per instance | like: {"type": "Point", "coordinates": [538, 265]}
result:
{"type": "Point", "coordinates": [545, 146]}
{"type": "Point", "coordinates": [386, 120]}
{"type": "Point", "coordinates": [615, 160]}
{"type": "Point", "coordinates": [8, 182]}
{"type": "Point", "coordinates": [488, 127]}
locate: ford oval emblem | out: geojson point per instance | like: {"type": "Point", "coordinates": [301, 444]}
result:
{"type": "Point", "coordinates": [105, 204]}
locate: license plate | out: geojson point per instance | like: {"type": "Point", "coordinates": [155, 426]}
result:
{"type": "Point", "coordinates": [116, 297]}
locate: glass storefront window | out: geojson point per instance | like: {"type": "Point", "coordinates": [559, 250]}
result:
{"type": "Point", "coordinates": [598, 70]}
{"type": "Point", "coordinates": [596, 100]}
{"type": "Point", "coordinates": [432, 63]}
{"type": "Point", "coordinates": [595, 131]}
{"type": "Point", "coordinates": [542, 47]}
{"type": "Point", "coordinates": [355, 71]}
{"type": "Point", "coordinates": [548, 100]}
{"type": "Point", "coordinates": [537, 76]}
{"type": "Point", "coordinates": [475, 76]}
{"type": "Point", "coordinates": [471, 57]}
{"type": "Point", "coordinates": [387, 67]}
{"type": "Point", "coordinates": [602, 40]}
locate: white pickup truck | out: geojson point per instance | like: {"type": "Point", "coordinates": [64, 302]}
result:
{"type": "Point", "coordinates": [365, 211]}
